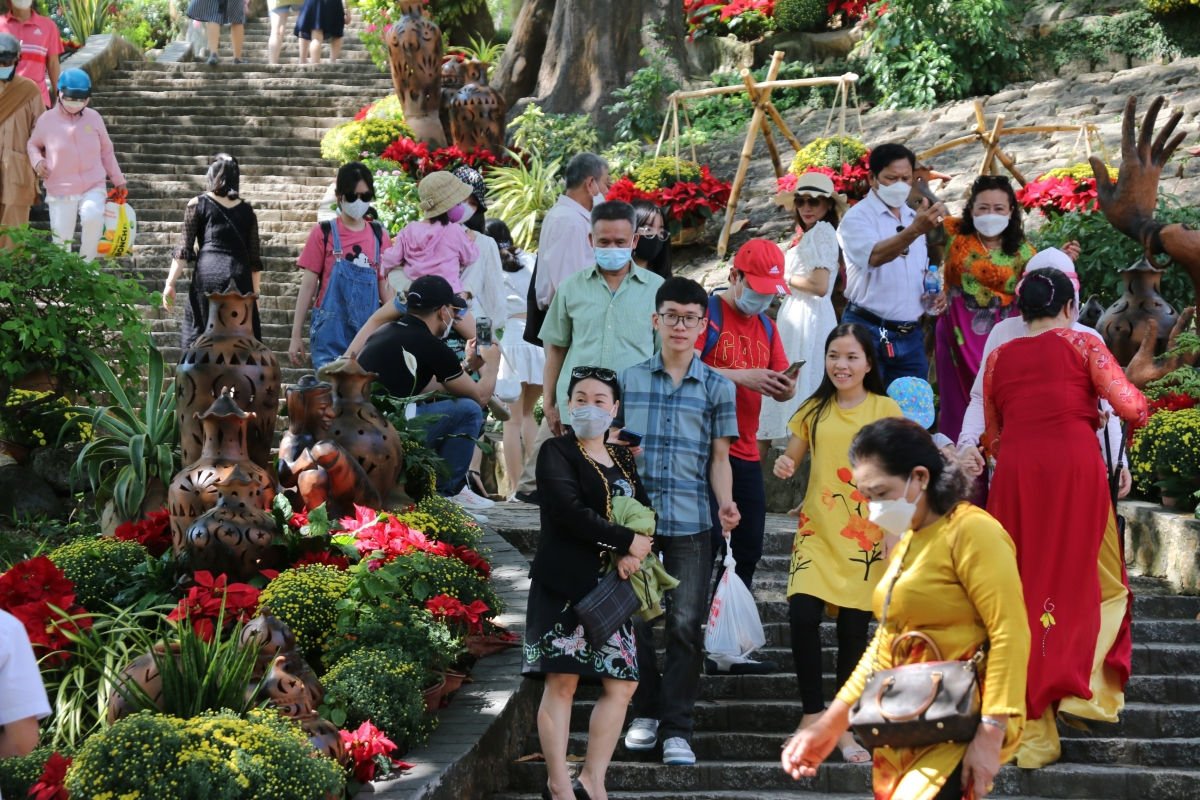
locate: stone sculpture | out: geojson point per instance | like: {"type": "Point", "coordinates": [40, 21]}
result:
{"type": "Point", "coordinates": [414, 45]}
{"type": "Point", "coordinates": [1122, 322]}
{"type": "Point", "coordinates": [236, 536]}
{"type": "Point", "coordinates": [359, 427]}
{"type": "Point", "coordinates": [477, 117]}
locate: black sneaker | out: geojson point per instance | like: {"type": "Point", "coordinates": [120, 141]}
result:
{"type": "Point", "coordinates": [528, 497]}
{"type": "Point", "coordinates": [742, 666]}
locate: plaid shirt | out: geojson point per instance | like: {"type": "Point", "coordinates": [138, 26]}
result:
{"type": "Point", "coordinates": [678, 424]}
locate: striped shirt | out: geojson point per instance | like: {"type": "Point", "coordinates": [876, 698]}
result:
{"type": "Point", "coordinates": [678, 424]}
{"type": "Point", "coordinates": [39, 39]}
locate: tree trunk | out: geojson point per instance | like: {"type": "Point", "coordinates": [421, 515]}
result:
{"type": "Point", "coordinates": [569, 55]}
{"type": "Point", "coordinates": [476, 24]}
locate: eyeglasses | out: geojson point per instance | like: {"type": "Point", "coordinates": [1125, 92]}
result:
{"type": "Point", "coordinates": [352, 197]}
{"type": "Point", "coordinates": [599, 373]}
{"type": "Point", "coordinates": [690, 321]}
{"type": "Point", "coordinates": [900, 229]}
{"type": "Point", "coordinates": [648, 233]}
{"type": "Point", "coordinates": [805, 202]}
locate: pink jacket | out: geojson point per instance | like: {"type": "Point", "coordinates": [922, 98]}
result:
{"type": "Point", "coordinates": [430, 248]}
{"type": "Point", "coordinates": [76, 149]}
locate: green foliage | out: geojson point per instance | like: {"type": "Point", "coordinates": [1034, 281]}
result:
{"type": "Point", "coordinates": [24, 538]}
{"type": "Point", "coordinates": [422, 466]}
{"type": "Point", "coordinates": [214, 755]}
{"type": "Point", "coordinates": [664, 172]}
{"type": "Point", "coordinates": [923, 53]}
{"type": "Point", "coordinates": [18, 773]}
{"type": "Point", "coordinates": [55, 308]}
{"type": "Point", "coordinates": [361, 139]}
{"type": "Point", "coordinates": [552, 137]}
{"type": "Point", "coordinates": [33, 418]}
{"type": "Point", "coordinates": [387, 108]}
{"type": "Point", "coordinates": [522, 194]}
{"type": "Point", "coordinates": [305, 599]}
{"type": "Point", "coordinates": [640, 107]}
{"type": "Point", "coordinates": [435, 575]}
{"type": "Point", "coordinates": [725, 114]}
{"type": "Point", "coordinates": [1184, 380]}
{"type": "Point", "coordinates": [453, 524]}
{"type": "Point", "coordinates": [750, 25]}
{"type": "Point", "coordinates": [98, 567]}
{"type": "Point", "coordinates": [1106, 251]}
{"type": "Point", "coordinates": [828, 151]}
{"type": "Point", "coordinates": [381, 685]}
{"type": "Point", "coordinates": [623, 157]}
{"type": "Point", "coordinates": [133, 440]}
{"type": "Point", "coordinates": [1169, 6]}
{"type": "Point", "coordinates": [85, 17]}
{"type": "Point", "coordinates": [480, 49]}
{"type": "Point", "coordinates": [396, 197]}
{"type": "Point", "coordinates": [390, 625]}
{"type": "Point", "coordinates": [800, 15]}
{"type": "Point", "coordinates": [1165, 454]}
{"type": "Point", "coordinates": [1137, 34]}
{"type": "Point", "coordinates": [146, 23]}
{"type": "Point", "coordinates": [80, 688]}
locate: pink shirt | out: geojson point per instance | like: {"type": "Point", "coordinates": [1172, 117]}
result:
{"type": "Point", "coordinates": [357, 246]}
{"type": "Point", "coordinates": [76, 149]}
{"type": "Point", "coordinates": [431, 248]}
{"type": "Point", "coordinates": [39, 39]}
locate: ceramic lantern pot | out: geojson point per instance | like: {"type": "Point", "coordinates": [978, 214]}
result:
{"type": "Point", "coordinates": [194, 489]}
{"type": "Point", "coordinates": [236, 536]}
{"type": "Point", "coordinates": [477, 118]}
{"type": "Point", "coordinates": [1122, 323]}
{"type": "Point", "coordinates": [227, 356]}
{"type": "Point", "coordinates": [359, 427]}
{"type": "Point", "coordinates": [414, 44]}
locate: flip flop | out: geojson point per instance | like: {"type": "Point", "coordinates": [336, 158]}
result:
{"type": "Point", "coordinates": [855, 754]}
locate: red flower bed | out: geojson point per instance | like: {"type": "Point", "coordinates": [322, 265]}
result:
{"type": "Point", "coordinates": [454, 610]}
{"type": "Point", "coordinates": [153, 532]}
{"type": "Point", "coordinates": [1059, 195]}
{"type": "Point", "coordinates": [202, 605]}
{"type": "Point", "coordinates": [28, 590]}
{"type": "Point", "coordinates": [851, 179]}
{"type": "Point", "coordinates": [687, 203]}
{"type": "Point", "coordinates": [418, 160]}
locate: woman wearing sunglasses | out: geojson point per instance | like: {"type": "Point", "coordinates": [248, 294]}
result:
{"type": "Point", "coordinates": [578, 474]}
{"type": "Point", "coordinates": [806, 317]}
{"type": "Point", "coordinates": [341, 271]}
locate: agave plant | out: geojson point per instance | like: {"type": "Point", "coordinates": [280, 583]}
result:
{"type": "Point", "coordinates": [133, 440]}
{"type": "Point", "coordinates": [85, 17]}
{"type": "Point", "coordinates": [522, 194]}
{"type": "Point", "coordinates": [480, 49]}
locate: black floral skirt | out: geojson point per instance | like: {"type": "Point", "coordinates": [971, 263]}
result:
{"type": "Point", "coordinates": [555, 642]}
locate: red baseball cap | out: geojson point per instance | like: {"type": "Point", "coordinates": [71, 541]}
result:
{"type": "Point", "coordinates": [761, 261]}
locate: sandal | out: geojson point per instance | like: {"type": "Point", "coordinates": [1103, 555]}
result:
{"type": "Point", "coordinates": [855, 753]}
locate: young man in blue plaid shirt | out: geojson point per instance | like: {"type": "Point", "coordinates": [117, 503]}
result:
{"type": "Point", "coordinates": [687, 415]}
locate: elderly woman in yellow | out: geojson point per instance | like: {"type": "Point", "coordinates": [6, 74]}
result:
{"type": "Point", "coordinates": [953, 577]}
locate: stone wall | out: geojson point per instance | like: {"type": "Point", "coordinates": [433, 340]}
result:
{"type": "Point", "coordinates": [1163, 544]}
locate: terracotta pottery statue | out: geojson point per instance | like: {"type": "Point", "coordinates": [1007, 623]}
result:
{"type": "Point", "coordinates": [227, 356]}
{"type": "Point", "coordinates": [360, 428]}
{"type": "Point", "coordinates": [275, 640]}
{"type": "Point", "coordinates": [236, 536]}
{"type": "Point", "coordinates": [194, 489]}
{"type": "Point", "coordinates": [414, 45]}
{"type": "Point", "coordinates": [1124, 322]}
{"type": "Point", "coordinates": [1091, 311]}
{"type": "Point", "coordinates": [477, 118]}
{"type": "Point", "coordinates": [311, 464]}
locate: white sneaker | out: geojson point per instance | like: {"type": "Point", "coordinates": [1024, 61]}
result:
{"type": "Point", "coordinates": [677, 752]}
{"type": "Point", "coordinates": [642, 734]}
{"type": "Point", "coordinates": [471, 501]}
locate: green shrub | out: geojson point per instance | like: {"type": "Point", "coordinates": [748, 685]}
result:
{"type": "Point", "coordinates": [1169, 6]}
{"type": "Point", "coordinates": [640, 107]}
{"type": "Point", "coordinates": [1164, 456]}
{"type": "Point", "coordinates": [99, 567]}
{"type": "Point", "coordinates": [828, 151]}
{"type": "Point", "coordinates": [361, 139]}
{"type": "Point", "coordinates": [380, 685]}
{"type": "Point", "coordinates": [214, 755]}
{"type": "Point", "coordinates": [451, 523]}
{"type": "Point", "coordinates": [387, 108]}
{"type": "Point", "coordinates": [146, 23]}
{"type": "Point", "coordinates": [552, 137]}
{"type": "Point", "coordinates": [664, 172]}
{"type": "Point", "coordinates": [396, 197]}
{"type": "Point", "coordinates": [448, 575]}
{"type": "Point", "coordinates": [305, 599]}
{"type": "Point", "coordinates": [18, 773]}
{"type": "Point", "coordinates": [923, 53]}
{"type": "Point", "coordinates": [398, 626]}
{"type": "Point", "coordinates": [522, 194]}
{"type": "Point", "coordinates": [800, 15]}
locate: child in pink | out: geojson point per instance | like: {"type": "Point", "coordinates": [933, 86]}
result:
{"type": "Point", "coordinates": [438, 244]}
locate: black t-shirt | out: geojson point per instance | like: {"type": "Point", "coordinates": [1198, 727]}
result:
{"type": "Point", "coordinates": [384, 354]}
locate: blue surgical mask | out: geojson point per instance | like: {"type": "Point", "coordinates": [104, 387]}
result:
{"type": "Point", "coordinates": [752, 303]}
{"type": "Point", "coordinates": [6, 73]}
{"type": "Point", "coordinates": [613, 259]}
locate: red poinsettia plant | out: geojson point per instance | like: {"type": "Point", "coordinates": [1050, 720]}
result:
{"type": "Point", "coordinates": [687, 203]}
{"type": "Point", "coordinates": [1173, 401]}
{"type": "Point", "coordinates": [1059, 195]}
{"type": "Point", "coordinates": [370, 752]}
{"type": "Point", "coordinates": [470, 616]}
{"type": "Point", "coordinates": [52, 783]}
{"type": "Point", "coordinates": [382, 537]}
{"type": "Point", "coordinates": [153, 532]}
{"type": "Point", "coordinates": [851, 179]}
{"type": "Point", "coordinates": [418, 160]}
{"type": "Point", "coordinates": [212, 599]}
{"type": "Point", "coordinates": [31, 590]}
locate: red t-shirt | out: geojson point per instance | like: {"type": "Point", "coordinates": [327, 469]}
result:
{"type": "Point", "coordinates": [40, 40]}
{"type": "Point", "coordinates": [742, 344]}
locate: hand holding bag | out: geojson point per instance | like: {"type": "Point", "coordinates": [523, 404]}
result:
{"type": "Point", "coordinates": [606, 608]}
{"type": "Point", "coordinates": [916, 705]}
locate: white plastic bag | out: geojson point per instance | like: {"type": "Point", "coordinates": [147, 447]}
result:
{"type": "Point", "coordinates": [734, 628]}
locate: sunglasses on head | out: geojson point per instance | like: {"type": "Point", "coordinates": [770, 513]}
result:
{"type": "Point", "coordinates": [353, 197]}
{"type": "Point", "coordinates": [599, 373]}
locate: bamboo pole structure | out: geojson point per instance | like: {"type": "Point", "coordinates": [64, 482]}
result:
{"type": "Point", "coordinates": [762, 98]}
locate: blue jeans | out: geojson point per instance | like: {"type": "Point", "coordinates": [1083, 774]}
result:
{"type": "Point", "coordinates": [750, 494]}
{"type": "Point", "coordinates": [452, 437]}
{"type": "Point", "coordinates": [670, 696]}
{"type": "Point", "coordinates": [909, 359]}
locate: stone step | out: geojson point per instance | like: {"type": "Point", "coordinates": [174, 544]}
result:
{"type": "Point", "coordinates": [734, 794]}
{"type": "Point", "coordinates": [1096, 782]}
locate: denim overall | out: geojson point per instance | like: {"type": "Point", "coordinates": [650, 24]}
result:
{"type": "Point", "coordinates": [350, 299]}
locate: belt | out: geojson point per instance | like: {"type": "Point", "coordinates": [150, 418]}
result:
{"type": "Point", "coordinates": [902, 328]}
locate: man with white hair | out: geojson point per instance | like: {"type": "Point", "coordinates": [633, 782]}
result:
{"type": "Point", "coordinates": [970, 456]}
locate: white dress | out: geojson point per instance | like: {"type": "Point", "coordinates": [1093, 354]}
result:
{"type": "Point", "coordinates": [803, 322]}
{"type": "Point", "coordinates": [522, 361]}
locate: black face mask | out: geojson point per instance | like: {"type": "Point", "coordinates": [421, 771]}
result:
{"type": "Point", "coordinates": [475, 221]}
{"type": "Point", "coordinates": [649, 247]}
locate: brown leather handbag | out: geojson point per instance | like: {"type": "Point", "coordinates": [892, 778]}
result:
{"type": "Point", "coordinates": [916, 705]}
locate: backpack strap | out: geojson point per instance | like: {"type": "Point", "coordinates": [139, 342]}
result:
{"type": "Point", "coordinates": [326, 230]}
{"type": "Point", "coordinates": [716, 316]}
{"type": "Point", "coordinates": [377, 228]}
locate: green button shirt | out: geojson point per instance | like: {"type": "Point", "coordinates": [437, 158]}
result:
{"type": "Point", "coordinates": [599, 327]}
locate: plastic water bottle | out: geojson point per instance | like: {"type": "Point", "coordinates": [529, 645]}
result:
{"type": "Point", "coordinates": [932, 288]}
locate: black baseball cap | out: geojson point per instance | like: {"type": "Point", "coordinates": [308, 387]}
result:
{"type": "Point", "coordinates": [432, 291]}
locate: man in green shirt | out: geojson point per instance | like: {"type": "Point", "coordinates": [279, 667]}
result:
{"type": "Point", "coordinates": [601, 316]}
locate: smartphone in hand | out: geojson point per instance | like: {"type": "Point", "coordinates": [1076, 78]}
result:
{"type": "Point", "coordinates": [483, 331]}
{"type": "Point", "coordinates": [628, 437]}
{"type": "Point", "coordinates": [794, 369]}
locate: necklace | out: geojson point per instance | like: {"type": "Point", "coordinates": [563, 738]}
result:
{"type": "Point", "coordinates": [600, 471]}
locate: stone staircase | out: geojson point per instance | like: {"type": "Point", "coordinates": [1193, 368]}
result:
{"type": "Point", "coordinates": [168, 119]}
{"type": "Point", "coordinates": [1152, 754]}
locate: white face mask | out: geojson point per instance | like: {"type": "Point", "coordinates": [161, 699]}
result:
{"type": "Point", "coordinates": [357, 209]}
{"type": "Point", "coordinates": [72, 106]}
{"type": "Point", "coordinates": [991, 224]}
{"type": "Point", "coordinates": [597, 199]}
{"type": "Point", "coordinates": [894, 194]}
{"type": "Point", "coordinates": [894, 516]}
{"type": "Point", "coordinates": [590, 421]}
{"type": "Point", "coordinates": [24, 5]}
